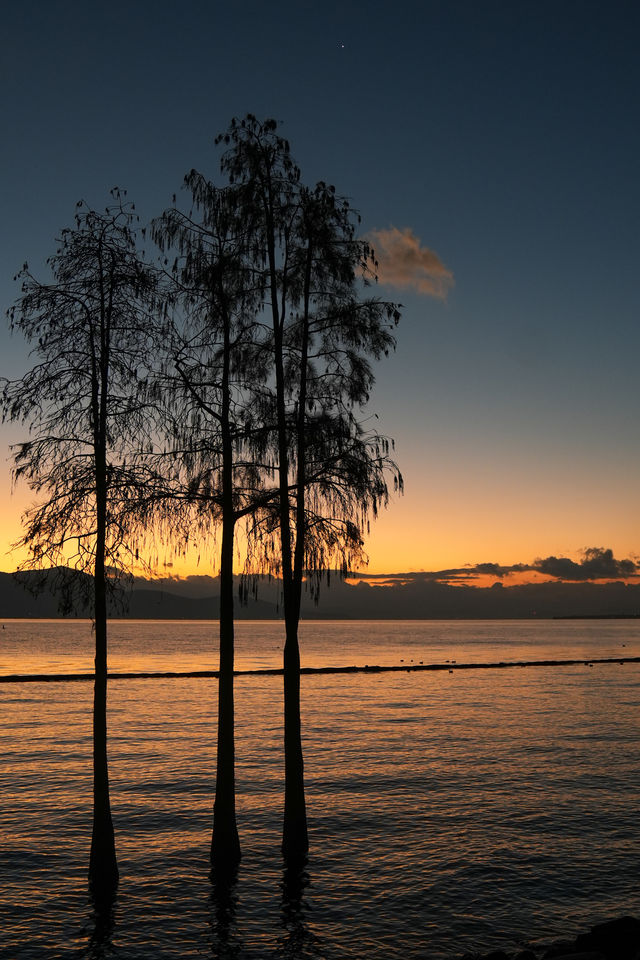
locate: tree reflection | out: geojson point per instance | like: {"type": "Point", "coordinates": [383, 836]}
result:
{"type": "Point", "coordinates": [297, 942]}
{"type": "Point", "coordinates": [226, 943]}
{"type": "Point", "coordinates": [101, 926]}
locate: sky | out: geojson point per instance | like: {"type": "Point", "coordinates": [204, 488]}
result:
{"type": "Point", "coordinates": [492, 149]}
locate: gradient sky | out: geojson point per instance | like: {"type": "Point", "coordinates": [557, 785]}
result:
{"type": "Point", "coordinates": [504, 136]}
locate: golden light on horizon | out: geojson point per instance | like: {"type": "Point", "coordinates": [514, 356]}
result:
{"type": "Point", "coordinates": [453, 527]}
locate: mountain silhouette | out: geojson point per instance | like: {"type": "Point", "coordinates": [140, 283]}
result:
{"type": "Point", "coordinates": [197, 598]}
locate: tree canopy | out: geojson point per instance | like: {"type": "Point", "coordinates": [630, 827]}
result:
{"type": "Point", "coordinates": [227, 383]}
{"type": "Point", "coordinates": [87, 423]}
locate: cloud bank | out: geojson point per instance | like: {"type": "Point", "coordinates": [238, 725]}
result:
{"type": "Point", "coordinates": [404, 263]}
{"type": "Point", "coordinates": [598, 563]}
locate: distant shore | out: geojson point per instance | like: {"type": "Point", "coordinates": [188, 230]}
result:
{"type": "Point", "coordinates": [414, 597]}
{"type": "Point", "coordinates": [534, 619]}
{"type": "Point", "coordinates": [597, 616]}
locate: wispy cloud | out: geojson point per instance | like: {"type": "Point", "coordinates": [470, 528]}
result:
{"type": "Point", "coordinates": [404, 263]}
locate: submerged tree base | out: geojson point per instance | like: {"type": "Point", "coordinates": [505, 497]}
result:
{"type": "Point", "coordinates": [295, 844]}
{"type": "Point", "coordinates": [225, 855]}
{"type": "Point", "coordinates": [103, 877]}
{"type": "Point", "coordinates": [103, 864]}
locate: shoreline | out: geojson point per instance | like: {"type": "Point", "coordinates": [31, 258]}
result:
{"type": "Point", "coordinates": [617, 939]}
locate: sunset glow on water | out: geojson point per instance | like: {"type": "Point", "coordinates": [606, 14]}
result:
{"type": "Point", "coordinates": [447, 811]}
{"type": "Point", "coordinates": [66, 646]}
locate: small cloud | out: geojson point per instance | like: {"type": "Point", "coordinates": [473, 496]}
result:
{"type": "Point", "coordinates": [402, 262]}
{"type": "Point", "coordinates": [493, 569]}
{"type": "Point", "coordinates": [561, 567]}
{"type": "Point", "coordinates": [596, 564]}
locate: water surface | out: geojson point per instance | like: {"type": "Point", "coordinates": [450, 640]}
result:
{"type": "Point", "coordinates": [447, 812]}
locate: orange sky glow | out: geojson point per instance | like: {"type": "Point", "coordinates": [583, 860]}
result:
{"type": "Point", "coordinates": [414, 535]}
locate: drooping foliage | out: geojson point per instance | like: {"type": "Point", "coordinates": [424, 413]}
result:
{"type": "Point", "coordinates": [81, 400]}
{"type": "Point", "coordinates": [90, 330]}
{"type": "Point", "coordinates": [212, 377]}
{"type": "Point", "coordinates": [234, 392]}
{"type": "Point", "coordinates": [325, 330]}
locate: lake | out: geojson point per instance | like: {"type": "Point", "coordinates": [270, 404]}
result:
{"type": "Point", "coordinates": [448, 811]}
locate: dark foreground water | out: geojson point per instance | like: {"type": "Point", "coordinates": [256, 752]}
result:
{"type": "Point", "coordinates": [447, 811]}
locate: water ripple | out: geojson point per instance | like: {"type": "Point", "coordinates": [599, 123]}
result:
{"type": "Point", "coordinates": [444, 817]}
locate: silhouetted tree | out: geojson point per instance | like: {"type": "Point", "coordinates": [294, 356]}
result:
{"type": "Point", "coordinates": [212, 374]}
{"type": "Point", "coordinates": [89, 327]}
{"type": "Point", "coordinates": [331, 472]}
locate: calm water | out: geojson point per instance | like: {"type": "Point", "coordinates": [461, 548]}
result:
{"type": "Point", "coordinates": [447, 811]}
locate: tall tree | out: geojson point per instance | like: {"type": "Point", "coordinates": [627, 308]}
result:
{"type": "Point", "coordinates": [214, 369]}
{"type": "Point", "coordinates": [89, 327]}
{"type": "Point", "coordinates": [331, 472]}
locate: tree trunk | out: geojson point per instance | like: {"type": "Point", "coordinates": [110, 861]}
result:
{"type": "Point", "coordinates": [103, 866]}
{"type": "Point", "coordinates": [225, 844]}
{"type": "Point", "coordinates": [295, 838]}
{"type": "Point", "coordinates": [295, 841]}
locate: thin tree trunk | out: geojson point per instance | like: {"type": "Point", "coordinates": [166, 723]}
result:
{"type": "Point", "coordinates": [225, 844]}
{"type": "Point", "coordinates": [103, 866]}
{"type": "Point", "coordinates": [295, 838]}
{"type": "Point", "coordinates": [295, 842]}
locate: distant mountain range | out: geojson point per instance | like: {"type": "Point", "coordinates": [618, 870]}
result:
{"type": "Point", "coordinates": [417, 598]}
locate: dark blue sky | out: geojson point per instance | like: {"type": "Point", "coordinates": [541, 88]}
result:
{"type": "Point", "coordinates": [503, 134]}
